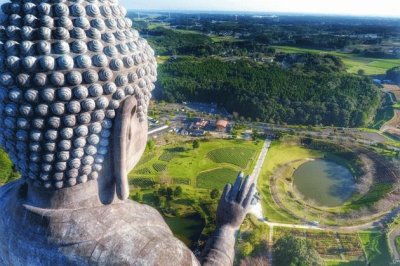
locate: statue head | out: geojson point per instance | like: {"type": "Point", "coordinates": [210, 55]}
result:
{"type": "Point", "coordinates": [75, 83]}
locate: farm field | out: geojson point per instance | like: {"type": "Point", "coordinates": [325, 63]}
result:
{"type": "Point", "coordinates": [371, 66]}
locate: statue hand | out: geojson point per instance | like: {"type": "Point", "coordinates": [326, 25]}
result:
{"type": "Point", "coordinates": [235, 202]}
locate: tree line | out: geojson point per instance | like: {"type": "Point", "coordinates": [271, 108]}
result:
{"type": "Point", "coordinates": [271, 93]}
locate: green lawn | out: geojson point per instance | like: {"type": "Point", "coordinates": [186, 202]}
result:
{"type": "Point", "coordinates": [376, 248]}
{"type": "Point", "coordinates": [344, 263]}
{"type": "Point", "coordinates": [216, 178]}
{"type": "Point", "coordinates": [353, 62]}
{"type": "Point", "coordinates": [382, 116]}
{"type": "Point", "coordinates": [224, 39]}
{"type": "Point", "coordinates": [185, 165]}
{"type": "Point", "coordinates": [398, 243]}
{"type": "Point", "coordinates": [238, 156]}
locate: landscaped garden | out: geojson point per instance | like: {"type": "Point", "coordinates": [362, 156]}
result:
{"type": "Point", "coordinates": [185, 182]}
{"type": "Point", "coordinates": [214, 162]}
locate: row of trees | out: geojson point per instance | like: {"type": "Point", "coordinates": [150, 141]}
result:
{"type": "Point", "coordinates": [393, 74]}
{"type": "Point", "coordinates": [270, 93]}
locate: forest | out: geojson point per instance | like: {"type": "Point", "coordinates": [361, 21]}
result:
{"type": "Point", "coordinates": [270, 93]}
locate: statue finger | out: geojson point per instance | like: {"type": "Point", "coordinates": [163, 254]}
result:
{"type": "Point", "coordinates": [250, 194]}
{"type": "Point", "coordinates": [243, 189]}
{"type": "Point", "coordinates": [226, 191]}
{"type": "Point", "coordinates": [234, 193]}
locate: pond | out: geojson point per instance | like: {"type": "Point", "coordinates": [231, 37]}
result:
{"type": "Point", "coordinates": [324, 182]}
{"type": "Point", "coordinates": [188, 229]}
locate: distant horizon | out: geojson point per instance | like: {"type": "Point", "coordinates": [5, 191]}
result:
{"type": "Point", "coordinates": [354, 8]}
{"type": "Point", "coordinates": [260, 13]}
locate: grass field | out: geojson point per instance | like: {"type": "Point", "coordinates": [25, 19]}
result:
{"type": "Point", "coordinates": [383, 115]}
{"type": "Point", "coordinates": [223, 39]}
{"type": "Point", "coordinates": [371, 66]}
{"type": "Point", "coordinates": [233, 155]}
{"type": "Point", "coordinates": [216, 178]}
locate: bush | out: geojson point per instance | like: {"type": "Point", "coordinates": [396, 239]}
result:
{"type": "Point", "coordinates": [159, 167]}
{"type": "Point", "coordinates": [246, 249]}
{"type": "Point", "coordinates": [143, 182]}
{"type": "Point", "coordinates": [214, 194]}
{"type": "Point", "coordinates": [196, 144]}
{"type": "Point", "coordinates": [178, 191]}
{"type": "Point", "coordinates": [137, 197]}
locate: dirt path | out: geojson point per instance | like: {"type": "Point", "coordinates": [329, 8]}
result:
{"type": "Point", "coordinates": [392, 126]}
{"type": "Point", "coordinates": [392, 242]}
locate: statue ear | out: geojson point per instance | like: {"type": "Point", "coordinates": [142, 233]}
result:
{"type": "Point", "coordinates": [121, 145]}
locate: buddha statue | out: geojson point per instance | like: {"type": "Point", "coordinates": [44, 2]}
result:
{"type": "Point", "coordinates": [75, 85]}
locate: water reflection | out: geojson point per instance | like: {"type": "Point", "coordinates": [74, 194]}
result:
{"type": "Point", "coordinates": [324, 182]}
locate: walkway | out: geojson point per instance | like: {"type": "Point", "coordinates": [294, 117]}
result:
{"type": "Point", "coordinates": [392, 242]}
{"type": "Point", "coordinates": [256, 210]}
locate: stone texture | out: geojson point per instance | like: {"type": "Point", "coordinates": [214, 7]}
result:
{"type": "Point", "coordinates": [119, 234]}
{"type": "Point", "coordinates": [67, 64]}
{"type": "Point", "coordinates": [75, 83]}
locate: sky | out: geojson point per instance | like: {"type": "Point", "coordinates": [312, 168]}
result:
{"type": "Point", "coordinates": [346, 7]}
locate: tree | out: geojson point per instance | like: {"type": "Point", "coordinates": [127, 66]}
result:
{"type": "Point", "coordinates": [361, 72]}
{"type": "Point", "coordinates": [150, 144]}
{"type": "Point", "coordinates": [293, 251]}
{"type": "Point", "coordinates": [196, 144]}
{"type": "Point", "coordinates": [157, 200]}
{"type": "Point", "coordinates": [178, 191]}
{"type": "Point", "coordinates": [169, 194]}
{"type": "Point", "coordinates": [270, 96]}
{"type": "Point", "coordinates": [246, 248]}
{"type": "Point", "coordinates": [137, 197]}
{"type": "Point", "coordinates": [214, 194]}
{"type": "Point", "coordinates": [162, 191]}
{"type": "Point", "coordinates": [394, 74]}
